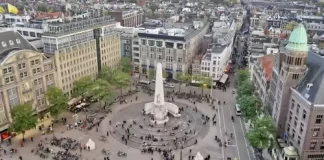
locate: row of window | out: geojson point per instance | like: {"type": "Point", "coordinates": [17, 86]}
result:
{"type": "Point", "coordinates": [20, 66]}
{"type": "Point", "coordinates": [159, 44]}
{"type": "Point", "coordinates": [31, 34]}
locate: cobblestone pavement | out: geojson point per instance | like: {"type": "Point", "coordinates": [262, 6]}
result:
{"type": "Point", "coordinates": [206, 146]}
{"type": "Point", "coordinates": [189, 126]}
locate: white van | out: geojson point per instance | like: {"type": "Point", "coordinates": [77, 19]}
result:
{"type": "Point", "coordinates": [237, 109]}
{"type": "Point", "coordinates": [143, 83]}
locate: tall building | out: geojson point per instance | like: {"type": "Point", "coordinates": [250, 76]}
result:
{"type": "Point", "coordinates": [25, 75]}
{"type": "Point", "coordinates": [81, 47]}
{"type": "Point", "coordinates": [289, 68]}
{"type": "Point", "coordinates": [174, 45]}
{"type": "Point", "coordinates": [129, 18]}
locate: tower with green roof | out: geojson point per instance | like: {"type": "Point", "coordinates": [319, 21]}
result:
{"type": "Point", "coordinates": [289, 68]}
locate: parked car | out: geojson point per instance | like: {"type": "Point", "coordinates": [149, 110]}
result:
{"type": "Point", "coordinates": [168, 85]}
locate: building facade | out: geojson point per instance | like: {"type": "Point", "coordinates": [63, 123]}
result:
{"type": "Point", "coordinates": [25, 75]}
{"type": "Point", "coordinates": [174, 48]}
{"type": "Point", "coordinates": [81, 48]}
{"type": "Point", "coordinates": [289, 68]}
{"type": "Point", "coordinates": [132, 18]}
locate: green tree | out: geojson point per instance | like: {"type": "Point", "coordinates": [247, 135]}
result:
{"type": "Point", "coordinates": [121, 80]}
{"type": "Point", "coordinates": [102, 90]}
{"type": "Point", "coordinates": [250, 106]}
{"type": "Point", "coordinates": [245, 88]}
{"type": "Point", "coordinates": [107, 74]}
{"type": "Point", "coordinates": [42, 8]}
{"type": "Point", "coordinates": [291, 25]}
{"type": "Point", "coordinates": [22, 119]}
{"type": "Point", "coordinates": [126, 65]}
{"type": "Point", "coordinates": [182, 78]}
{"type": "Point", "coordinates": [262, 133]}
{"type": "Point", "coordinates": [243, 75]}
{"type": "Point", "coordinates": [81, 86]}
{"type": "Point", "coordinates": [152, 73]}
{"type": "Point", "coordinates": [57, 101]}
{"type": "Point", "coordinates": [106, 12]}
{"type": "Point", "coordinates": [204, 82]}
{"type": "Point", "coordinates": [153, 7]}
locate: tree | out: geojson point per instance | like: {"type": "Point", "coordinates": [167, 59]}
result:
{"type": "Point", "coordinates": [250, 106]}
{"type": "Point", "coordinates": [243, 75]}
{"type": "Point", "coordinates": [245, 88]}
{"type": "Point", "coordinates": [107, 74]}
{"type": "Point", "coordinates": [102, 90]}
{"type": "Point", "coordinates": [42, 8]}
{"type": "Point", "coordinates": [126, 65]}
{"type": "Point", "coordinates": [204, 82]}
{"type": "Point", "coordinates": [57, 101]}
{"type": "Point", "coordinates": [291, 25]}
{"type": "Point", "coordinates": [81, 86]}
{"type": "Point", "coordinates": [262, 133]}
{"type": "Point", "coordinates": [153, 7]}
{"type": "Point", "coordinates": [152, 73]}
{"type": "Point", "coordinates": [22, 119]}
{"type": "Point", "coordinates": [182, 78]}
{"type": "Point", "coordinates": [121, 80]}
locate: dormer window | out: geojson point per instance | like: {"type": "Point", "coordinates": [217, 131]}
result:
{"type": "Point", "coordinates": [4, 44]}
{"type": "Point", "coordinates": [18, 41]}
{"type": "Point", "coordinates": [11, 42]}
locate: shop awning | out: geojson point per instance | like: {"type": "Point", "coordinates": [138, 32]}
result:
{"type": "Point", "coordinates": [224, 78]}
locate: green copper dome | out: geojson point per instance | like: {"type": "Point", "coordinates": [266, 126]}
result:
{"type": "Point", "coordinates": [298, 39]}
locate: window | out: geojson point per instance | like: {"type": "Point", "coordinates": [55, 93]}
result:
{"type": "Point", "coordinates": [169, 45]}
{"type": "Point", "coordinates": [160, 57]}
{"type": "Point", "coordinates": [292, 104]}
{"type": "Point", "coordinates": [151, 42]}
{"type": "Point", "coordinates": [313, 144]}
{"type": "Point", "coordinates": [32, 34]}
{"type": "Point", "coordinates": [23, 75]}
{"type": "Point", "coordinates": [25, 33]}
{"type": "Point", "coordinates": [179, 46]}
{"type": "Point", "coordinates": [304, 114]}
{"type": "Point", "coordinates": [295, 76]}
{"type": "Point", "coordinates": [7, 70]}
{"type": "Point", "coordinates": [180, 59]}
{"type": "Point", "coordinates": [135, 42]}
{"type": "Point", "coordinates": [39, 35]}
{"type": "Point", "coordinates": [152, 49]}
{"type": "Point", "coordinates": [288, 128]}
{"type": "Point", "coordinates": [295, 122]}
{"type": "Point", "coordinates": [179, 67]}
{"type": "Point", "coordinates": [293, 133]}
{"type": "Point", "coordinates": [159, 43]}
{"type": "Point", "coordinates": [290, 116]}
{"type": "Point", "coordinates": [298, 140]}
{"type": "Point", "coordinates": [214, 62]}
{"type": "Point", "coordinates": [9, 79]}
{"type": "Point", "coordinates": [136, 49]}
{"type": "Point", "coordinates": [22, 66]}
{"type": "Point", "coordinates": [318, 119]}
{"type": "Point", "coordinates": [301, 129]}
{"type": "Point", "coordinates": [316, 130]}
{"type": "Point", "coordinates": [297, 109]}
{"type": "Point", "coordinates": [322, 145]}
{"type": "Point", "coordinates": [143, 42]}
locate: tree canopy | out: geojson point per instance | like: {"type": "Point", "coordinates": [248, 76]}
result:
{"type": "Point", "coordinates": [183, 78]}
{"type": "Point", "coordinates": [101, 89]}
{"type": "Point", "coordinates": [126, 65]}
{"type": "Point", "coordinates": [121, 80]}
{"type": "Point", "coordinates": [243, 75]}
{"type": "Point", "coordinates": [245, 88]}
{"type": "Point", "coordinates": [22, 118]}
{"type": "Point", "coordinates": [250, 106]}
{"type": "Point", "coordinates": [262, 134]}
{"type": "Point", "coordinates": [57, 101]}
{"type": "Point", "coordinates": [81, 86]}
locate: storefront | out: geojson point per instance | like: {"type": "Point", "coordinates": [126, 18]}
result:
{"type": "Point", "coordinates": [5, 135]}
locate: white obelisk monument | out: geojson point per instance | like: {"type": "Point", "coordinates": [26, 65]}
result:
{"type": "Point", "coordinates": [159, 108]}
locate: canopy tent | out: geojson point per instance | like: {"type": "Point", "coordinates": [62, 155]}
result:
{"type": "Point", "coordinates": [224, 78]}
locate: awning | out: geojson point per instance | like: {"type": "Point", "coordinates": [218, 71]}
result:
{"type": "Point", "coordinates": [224, 78]}
{"type": "Point", "coordinates": [74, 100]}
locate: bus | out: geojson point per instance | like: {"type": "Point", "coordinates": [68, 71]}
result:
{"type": "Point", "coordinates": [237, 109]}
{"type": "Point", "coordinates": [143, 83]}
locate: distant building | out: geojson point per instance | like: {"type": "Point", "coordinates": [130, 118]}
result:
{"type": "Point", "coordinates": [25, 75]}
{"type": "Point", "coordinates": [131, 18]}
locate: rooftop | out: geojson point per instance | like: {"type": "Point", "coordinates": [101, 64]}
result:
{"type": "Point", "coordinates": [311, 86]}
{"type": "Point", "coordinates": [12, 41]}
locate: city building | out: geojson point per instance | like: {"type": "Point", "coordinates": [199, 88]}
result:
{"type": "Point", "coordinates": [288, 70]}
{"type": "Point", "coordinates": [130, 18]}
{"type": "Point", "coordinates": [174, 45]}
{"type": "Point", "coordinates": [81, 48]}
{"type": "Point", "coordinates": [217, 58]}
{"type": "Point", "coordinates": [261, 76]}
{"type": "Point", "coordinates": [305, 111]}
{"type": "Point", "coordinates": [25, 75]}
{"type": "Point", "coordinates": [126, 37]}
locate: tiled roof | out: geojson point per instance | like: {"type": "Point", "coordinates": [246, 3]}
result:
{"type": "Point", "coordinates": [266, 64]}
